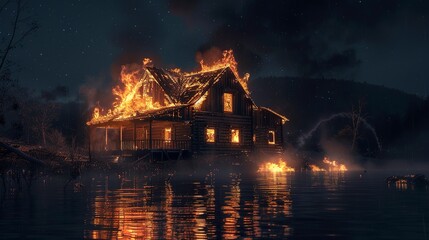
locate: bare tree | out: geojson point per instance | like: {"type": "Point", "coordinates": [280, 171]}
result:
{"type": "Point", "coordinates": [16, 25]}
{"type": "Point", "coordinates": [39, 117]}
{"type": "Point", "coordinates": [356, 117]}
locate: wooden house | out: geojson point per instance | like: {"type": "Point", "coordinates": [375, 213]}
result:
{"type": "Point", "coordinates": [198, 113]}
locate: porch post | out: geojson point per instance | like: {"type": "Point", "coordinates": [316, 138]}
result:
{"type": "Point", "coordinates": [150, 134]}
{"type": "Point", "coordinates": [135, 135]}
{"type": "Point", "coordinates": [106, 139]}
{"type": "Point", "coordinates": [89, 143]}
{"type": "Point", "coordinates": [120, 138]}
{"type": "Point", "coordinates": [252, 128]}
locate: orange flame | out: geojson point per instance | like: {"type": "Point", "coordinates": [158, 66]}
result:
{"type": "Point", "coordinates": [227, 60]}
{"type": "Point", "coordinates": [332, 166]}
{"type": "Point", "coordinates": [280, 167]}
{"type": "Point", "coordinates": [315, 168]}
{"type": "Point", "coordinates": [132, 95]}
{"type": "Point", "coordinates": [96, 113]}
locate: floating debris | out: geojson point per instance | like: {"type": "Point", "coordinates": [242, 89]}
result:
{"type": "Point", "coordinates": [412, 179]}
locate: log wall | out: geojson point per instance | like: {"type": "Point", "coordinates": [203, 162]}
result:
{"type": "Point", "coordinates": [263, 122]}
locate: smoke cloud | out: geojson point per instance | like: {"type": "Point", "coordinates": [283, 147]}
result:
{"type": "Point", "coordinates": [316, 38]}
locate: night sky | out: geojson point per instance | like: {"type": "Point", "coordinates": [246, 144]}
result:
{"type": "Point", "coordinates": [83, 43]}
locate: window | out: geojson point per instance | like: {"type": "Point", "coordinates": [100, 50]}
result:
{"type": "Point", "coordinates": [210, 135]}
{"type": "Point", "coordinates": [227, 102]}
{"type": "Point", "coordinates": [167, 134]}
{"type": "Point", "coordinates": [235, 135]}
{"type": "Point", "coordinates": [271, 137]}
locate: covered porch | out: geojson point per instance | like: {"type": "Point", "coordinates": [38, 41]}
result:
{"type": "Point", "coordinates": [139, 135]}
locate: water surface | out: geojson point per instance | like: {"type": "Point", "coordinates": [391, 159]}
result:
{"type": "Point", "coordinates": [227, 202]}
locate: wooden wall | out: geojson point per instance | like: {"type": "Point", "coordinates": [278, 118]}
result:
{"type": "Point", "coordinates": [212, 115]}
{"type": "Point", "coordinates": [222, 125]}
{"type": "Point", "coordinates": [179, 131]}
{"type": "Point", "coordinates": [242, 105]}
{"type": "Point", "coordinates": [263, 122]}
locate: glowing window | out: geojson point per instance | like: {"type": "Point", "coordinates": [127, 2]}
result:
{"type": "Point", "coordinates": [254, 138]}
{"type": "Point", "coordinates": [227, 102]}
{"type": "Point", "coordinates": [210, 135]}
{"type": "Point", "coordinates": [271, 137]}
{"type": "Point", "coordinates": [235, 135]}
{"type": "Point", "coordinates": [167, 134]}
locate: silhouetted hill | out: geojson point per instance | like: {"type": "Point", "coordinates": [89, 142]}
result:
{"type": "Point", "coordinates": [306, 101]}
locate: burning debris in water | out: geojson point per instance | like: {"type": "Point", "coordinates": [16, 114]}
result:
{"type": "Point", "coordinates": [334, 166]}
{"type": "Point", "coordinates": [330, 166]}
{"type": "Point", "coordinates": [133, 94]}
{"type": "Point", "coordinates": [315, 168]}
{"type": "Point", "coordinates": [279, 167]}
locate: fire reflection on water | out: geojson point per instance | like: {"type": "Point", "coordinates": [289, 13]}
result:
{"type": "Point", "coordinates": [195, 209]}
{"type": "Point", "coordinates": [275, 204]}
{"type": "Point", "coordinates": [231, 209]}
{"type": "Point", "coordinates": [125, 214]}
{"type": "Point", "coordinates": [331, 181]}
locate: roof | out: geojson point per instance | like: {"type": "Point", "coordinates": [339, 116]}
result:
{"type": "Point", "coordinates": [154, 112]}
{"type": "Point", "coordinates": [181, 89]}
{"type": "Point", "coordinates": [284, 119]}
{"type": "Point", "coordinates": [140, 116]}
{"type": "Point", "coordinates": [186, 88]}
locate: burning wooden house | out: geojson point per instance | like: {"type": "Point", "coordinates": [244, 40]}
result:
{"type": "Point", "coordinates": [171, 113]}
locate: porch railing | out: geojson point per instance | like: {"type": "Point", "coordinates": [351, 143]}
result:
{"type": "Point", "coordinates": [156, 144]}
{"type": "Point", "coordinates": [142, 145]}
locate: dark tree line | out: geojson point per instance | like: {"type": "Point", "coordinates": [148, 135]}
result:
{"type": "Point", "coordinates": [17, 25]}
{"type": "Point", "coordinates": [53, 123]}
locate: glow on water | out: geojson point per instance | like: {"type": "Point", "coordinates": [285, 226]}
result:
{"type": "Point", "coordinates": [227, 202]}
